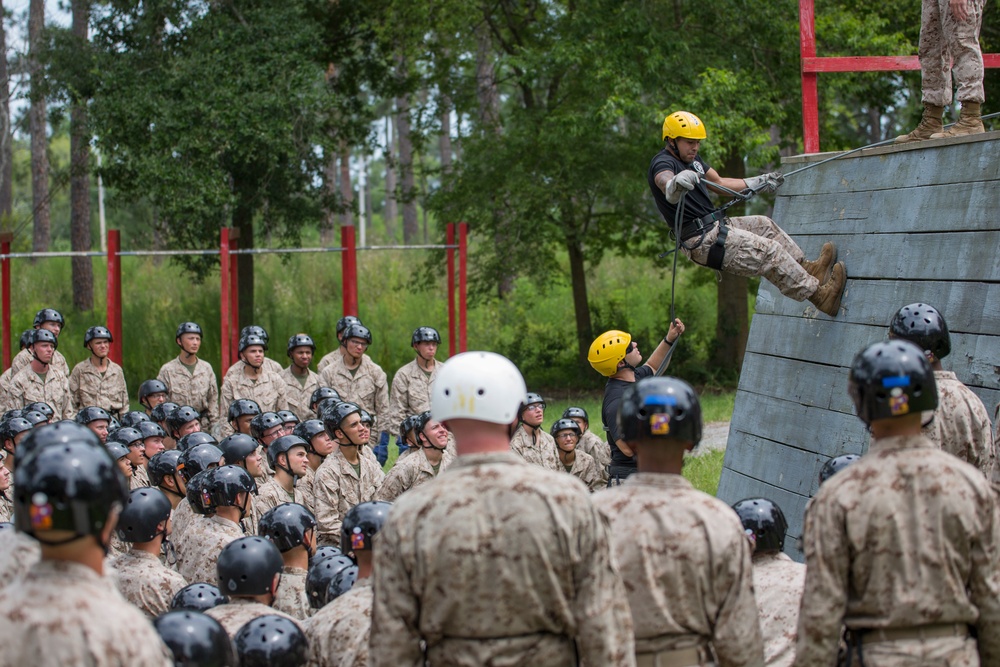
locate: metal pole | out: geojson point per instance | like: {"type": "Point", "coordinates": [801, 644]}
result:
{"type": "Point", "coordinates": [450, 254]}
{"type": "Point", "coordinates": [810, 94]}
{"type": "Point", "coordinates": [463, 248]}
{"type": "Point", "coordinates": [349, 269]}
{"type": "Point", "coordinates": [224, 275]}
{"type": "Point", "coordinates": [5, 240]}
{"type": "Point", "coordinates": [115, 295]}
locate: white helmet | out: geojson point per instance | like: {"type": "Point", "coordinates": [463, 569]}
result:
{"type": "Point", "coordinates": [484, 386]}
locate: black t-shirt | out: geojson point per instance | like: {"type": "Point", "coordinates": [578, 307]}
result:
{"type": "Point", "coordinates": [697, 203]}
{"type": "Point", "coordinates": [609, 414]}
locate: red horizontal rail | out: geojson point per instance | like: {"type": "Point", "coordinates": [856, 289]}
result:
{"type": "Point", "coordinates": [875, 63]}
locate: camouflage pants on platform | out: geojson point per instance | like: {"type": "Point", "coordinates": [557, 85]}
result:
{"type": "Point", "coordinates": [950, 48]}
{"type": "Point", "coordinates": [758, 247]}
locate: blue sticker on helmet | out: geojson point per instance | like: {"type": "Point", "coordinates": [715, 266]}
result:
{"type": "Point", "coordinates": [660, 400]}
{"type": "Point", "coordinates": [898, 381]}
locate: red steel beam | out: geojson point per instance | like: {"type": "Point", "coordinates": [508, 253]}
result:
{"type": "Point", "coordinates": [5, 241]}
{"type": "Point", "coordinates": [349, 270]}
{"type": "Point", "coordinates": [224, 293]}
{"type": "Point", "coordinates": [450, 253]}
{"type": "Point", "coordinates": [463, 252]}
{"type": "Point", "coordinates": [114, 298]}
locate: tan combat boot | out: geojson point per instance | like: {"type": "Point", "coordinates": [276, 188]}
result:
{"type": "Point", "coordinates": [929, 124]}
{"type": "Point", "coordinates": [820, 267]}
{"type": "Point", "coordinates": [969, 122]}
{"type": "Point", "coordinates": [827, 297]}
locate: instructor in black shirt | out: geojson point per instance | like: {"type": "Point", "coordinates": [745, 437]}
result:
{"type": "Point", "coordinates": [616, 356]}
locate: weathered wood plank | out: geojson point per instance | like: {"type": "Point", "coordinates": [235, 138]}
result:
{"type": "Point", "coordinates": [734, 487]}
{"type": "Point", "coordinates": [796, 381]}
{"type": "Point", "coordinates": [775, 463]}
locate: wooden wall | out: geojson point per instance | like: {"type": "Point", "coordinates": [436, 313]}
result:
{"type": "Point", "coordinates": [911, 223]}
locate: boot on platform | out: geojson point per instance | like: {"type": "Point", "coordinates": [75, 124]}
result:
{"type": "Point", "coordinates": [929, 124]}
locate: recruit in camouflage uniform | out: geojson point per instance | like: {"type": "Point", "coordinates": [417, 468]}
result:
{"type": "Point", "coordinates": [539, 449]}
{"type": "Point", "coordinates": [201, 544]}
{"type": "Point", "coordinates": [777, 586]}
{"type": "Point", "coordinates": [88, 386]}
{"type": "Point", "coordinates": [961, 425]}
{"type": "Point", "coordinates": [144, 581]}
{"type": "Point", "coordinates": [239, 611]}
{"type": "Point", "coordinates": [139, 478]}
{"type": "Point", "coordinates": [598, 449]}
{"type": "Point", "coordinates": [270, 495]}
{"type": "Point", "coordinates": [297, 394]}
{"type": "Point", "coordinates": [18, 553]}
{"type": "Point", "coordinates": [198, 389]}
{"type": "Point", "coordinates": [291, 597]}
{"type": "Point", "coordinates": [268, 391]}
{"type": "Point", "coordinates": [268, 364]}
{"type": "Point", "coordinates": [23, 359]}
{"type": "Point", "coordinates": [410, 472]}
{"type": "Point", "coordinates": [93, 626]}
{"type": "Point", "coordinates": [337, 488]}
{"type": "Point", "coordinates": [949, 49]}
{"type": "Point", "coordinates": [686, 565]}
{"type": "Point", "coordinates": [339, 632]}
{"type": "Point", "coordinates": [304, 492]}
{"type": "Point", "coordinates": [544, 536]}
{"type": "Point", "coordinates": [28, 387]}
{"type": "Point", "coordinates": [367, 386]}
{"type": "Point", "coordinates": [907, 537]}
{"type": "Point", "coordinates": [181, 518]}
{"type": "Point", "coordinates": [585, 469]}
{"type": "Point", "coordinates": [410, 395]}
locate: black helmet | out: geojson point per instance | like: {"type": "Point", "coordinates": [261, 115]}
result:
{"type": "Point", "coordinates": [151, 429]}
{"type": "Point", "coordinates": [116, 449]}
{"type": "Point", "coordinates": [247, 566]}
{"type": "Point", "coordinates": [48, 315]}
{"type": "Point", "coordinates": [237, 447]}
{"type": "Point", "coordinates": [198, 459]}
{"type": "Point", "coordinates": [300, 340]}
{"type": "Point", "coordinates": [197, 493]}
{"type": "Point", "coordinates": [145, 510]}
{"type": "Point", "coordinates": [660, 407]}
{"type": "Point", "coordinates": [44, 336]}
{"type": "Point", "coordinates": [342, 582]}
{"type": "Point", "coordinates": [361, 523]}
{"type": "Point", "coordinates": [425, 334]}
{"type": "Point", "coordinates": [250, 340]}
{"type": "Point", "coordinates": [10, 414]}
{"type": "Point", "coordinates": [764, 523]}
{"type": "Point", "coordinates": [324, 552]}
{"type": "Point", "coordinates": [924, 326]}
{"type": "Point", "coordinates": [574, 412]}
{"type": "Point", "coordinates": [91, 414]}
{"type": "Point", "coordinates": [195, 639]}
{"type": "Point", "coordinates": [367, 418]}
{"type": "Point", "coordinates": [10, 428]}
{"type": "Point", "coordinates": [126, 435]}
{"type": "Point", "coordinates": [201, 596]}
{"type": "Point", "coordinates": [73, 486]}
{"type": "Point", "coordinates": [150, 387]}
{"type": "Point", "coordinates": [41, 406]}
{"type": "Point", "coordinates": [192, 440]}
{"type": "Point", "coordinates": [308, 430]}
{"type": "Point", "coordinates": [134, 418]}
{"type": "Point", "coordinates": [188, 328]}
{"type": "Point", "coordinates": [25, 339]}
{"type": "Point", "coordinates": [226, 482]}
{"type": "Point", "coordinates": [333, 417]}
{"type": "Point", "coordinates": [263, 422]}
{"type": "Point", "coordinates": [47, 435]}
{"type": "Point", "coordinates": [835, 465]}
{"type": "Point", "coordinates": [319, 578]}
{"type": "Point", "coordinates": [35, 418]}
{"type": "Point", "coordinates": [531, 399]}
{"type": "Point", "coordinates": [162, 411]}
{"type": "Point", "coordinates": [283, 445]}
{"type": "Point", "coordinates": [97, 332]}
{"type": "Point", "coordinates": [162, 465]}
{"type": "Point", "coordinates": [181, 416]}
{"type": "Point", "coordinates": [346, 321]}
{"type": "Point", "coordinates": [286, 525]}
{"type": "Point", "coordinates": [288, 417]}
{"type": "Point", "coordinates": [241, 407]}
{"type": "Point", "coordinates": [565, 424]}
{"type": "Point", "coordinates": [408, 424]}
{"type": "Point", "coordinates": [254, 330]}
{"type": "Point", "coordinates": [271, 641]}
{"type": "Point", "coordinates": [357, 331]}
{"type": "Point", "coordinates": [323, 393]}
{"type": "Point", "coordinates": [892, 379]}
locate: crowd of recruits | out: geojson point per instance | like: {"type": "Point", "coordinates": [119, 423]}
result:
{"type": "Point", "coordinates": [517, 536]}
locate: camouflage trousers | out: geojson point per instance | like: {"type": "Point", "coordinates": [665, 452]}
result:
{"type": "Point", "coordinates": [950, 48]}
{"type": "Point", "coordinates": [950, 652]}
{"type": "Point", "coordinates": [758, 247]}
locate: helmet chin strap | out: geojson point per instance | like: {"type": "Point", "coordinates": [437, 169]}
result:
{"type": "Point", "coordinates": [426, 443]}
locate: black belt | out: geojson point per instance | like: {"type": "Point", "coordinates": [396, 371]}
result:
{"type": "Point", "coordinates": [701, 225]}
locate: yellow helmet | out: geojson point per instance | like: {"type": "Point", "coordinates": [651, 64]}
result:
{"type": "Point", "coordinates": [607, 350]}
{"type": "Point", "coordinates": [683, 124]}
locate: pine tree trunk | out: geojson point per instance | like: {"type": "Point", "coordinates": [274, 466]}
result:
{"type": "Point", "coordinates": [6, 140]}
{"type": "Point", "coordinates": [391, 211]}
{"type": "Point", "coordinates": [326, 235]}
{"type": "Point", "coordinates": [732, 325]}
{"type": "Point", "coordinates": [444, 139]}
{"type": "Point", "coordinates": [407, 189]}
{"type": "Point", "coordinates": [346, 187]}
{"type": "Point", "coordinates": [79, 185]}
{"type": "Point", "coordinates": [41, 235]}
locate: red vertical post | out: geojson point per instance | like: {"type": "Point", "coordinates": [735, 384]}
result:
{"type": "Point", "coordinates": [810, 94]}
{"type": "Point", "coordinates": [349, 270]}
{"type": "Point", "coordinates": [114, 284]}
{"type": "Point", "coordinates": [450, 253]}
{"type": "Point", "coordinates": [234, 298]}
{"type": "Point", "coordinates": [463, 251]}
{"type": "Point", "coordinates": [5, 241]}
{"type": "Point", "coordinates": [224, 292]}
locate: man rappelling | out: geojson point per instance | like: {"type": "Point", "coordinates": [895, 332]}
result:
{"type": "Point", "coordinates": [750, 245]}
